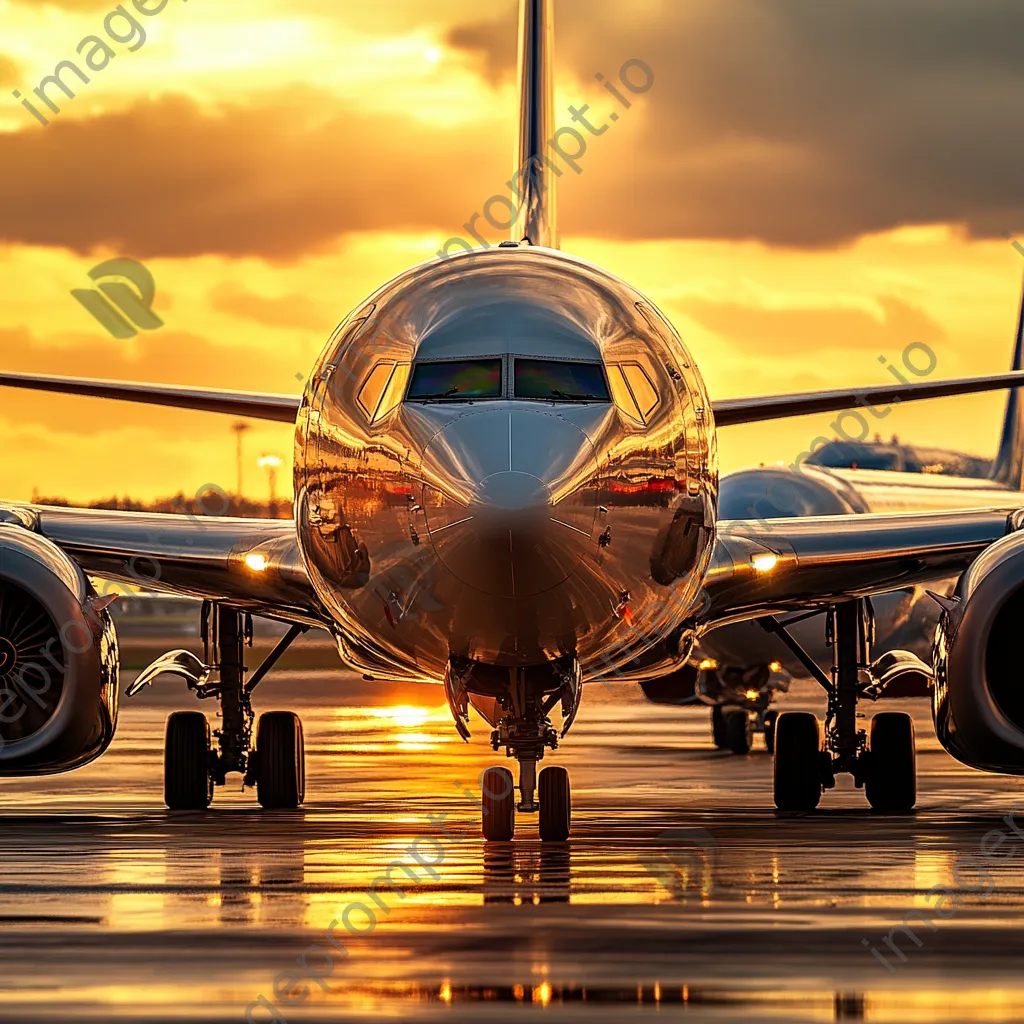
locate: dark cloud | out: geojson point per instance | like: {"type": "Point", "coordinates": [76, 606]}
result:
{"type": "Point", "coordinates": [491, 43]}
{"type": "Point", "coordinates": [805, 123]}
{"type": "Point", "coordinates": [278, 180]}
{"type": "Point", "coordinates": [798, 122]}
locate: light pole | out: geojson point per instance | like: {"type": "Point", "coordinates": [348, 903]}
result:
{"type": "Point", "coordinates": [270, 463]}
{"type": "Point", "coordinates": [240, 427]}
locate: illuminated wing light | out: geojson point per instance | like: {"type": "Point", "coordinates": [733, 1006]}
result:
{"type": "Point", "coordinates": [708, 665]}
{"type": "Point", "coordinates": [256, 561]}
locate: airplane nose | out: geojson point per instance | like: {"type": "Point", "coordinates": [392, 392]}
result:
{"type": "Point", "coordinates": [511, 501]}
{"type": "Point", "coordinates": [512, 521]}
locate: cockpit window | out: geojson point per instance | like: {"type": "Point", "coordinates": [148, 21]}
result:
{"type": "Point", "coordinates": [393, 392]}
{"type": "Point", "coordinates": [559, 381]}
{"type": "Point", "coordinates": [382, 390]}
{"type": "Point", "coordinates": [373, 388]}
{"type": "Point", "coordinates": [632, 390]}
{"type": "Point", "coordinates": [455, 380]}
{"type": "Point", "coordinates": [642, 388]}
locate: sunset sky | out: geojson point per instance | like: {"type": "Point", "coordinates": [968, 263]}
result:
{"type": "Point", "coordinates": [808, 185]}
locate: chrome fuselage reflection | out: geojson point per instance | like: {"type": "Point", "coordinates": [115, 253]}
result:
{"type": "Point", "coordinates": [506, 530]}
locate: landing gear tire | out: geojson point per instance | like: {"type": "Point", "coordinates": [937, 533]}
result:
{"type": "Point", "coordinates": [555, 800]}
{"type": "Point", "coordinates": [739, 730]}
{"type": "Point", "coordinates": [770, 718]}
{"type": "Point", "coordinates": [719, 736]}
{"type": "Point", "coordinates": [499, 805]}
{"type": "Point", "coordinates": [796, 767]}
{"type": "Point", "coordinates": [891, 779]}
{"type": "Point", "coordinates": [188, 784]}
{"type": "Point", "coordinates": [280, 760]}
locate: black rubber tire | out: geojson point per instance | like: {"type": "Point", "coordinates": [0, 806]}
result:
{"type": "Point", "coordinates": [188, 785]}
{"type": "Point", "coordinates": [555, 798]}
{"type": "Point", "coordinates": [281, 760]}
{"type": "Point", "coordinates": [891, 779]}
{"type": "Point", "coordinates": [719, 736]}
{"type": "Point", "coordinates": [498, 813]}
{"type": "Point", "coordinates": [770, 717]}
{"type": "Point", "coordinates": [796, 779]}
{"type": "Point", "coordinates": [739, 728]}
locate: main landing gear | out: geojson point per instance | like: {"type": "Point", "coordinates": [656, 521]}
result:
{"type": "Point", "coordinates": [522, 727]}
{"type": "Point", "coordinates": [807, 758]}
{"type": "Point", "coordinates": [192, 766]}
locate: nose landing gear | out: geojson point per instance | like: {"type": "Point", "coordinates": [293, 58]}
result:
{"type": "Point", "coordinates": [525, 731]}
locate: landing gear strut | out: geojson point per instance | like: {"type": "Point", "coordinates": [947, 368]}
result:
{"type": "Point", "coordinates": [807, 759]}
{"type": "Point", "coordinates": [192, 767]}
{"type": "Point", "coordinates": [525, 731]}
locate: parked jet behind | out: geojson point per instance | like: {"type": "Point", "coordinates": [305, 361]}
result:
{"type": "Point", "coordinates": [739, 668]}
{"type": "Point", "coordinates": [505, 480]}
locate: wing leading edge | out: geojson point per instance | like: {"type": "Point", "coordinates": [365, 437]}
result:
{"type": "Point", "coordinates": [790, 564]}
{"type": "Point", "coordinates": [253, 404]}
{"type": "Point", "coordinates": [253, 564]}
{"type": "Point", "coordinates": [731, 411]}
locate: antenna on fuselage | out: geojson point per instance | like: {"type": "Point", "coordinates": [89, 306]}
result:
{"type": "Point", "coordinates": [1008, 468]}
{"type": "Point", "coordinates": [534, 174]}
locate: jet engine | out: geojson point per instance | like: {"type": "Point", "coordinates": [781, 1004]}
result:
{"type": "Point", "coordinates": [978, 697]}
{"type": "Point", "coordinates": [58, 656]}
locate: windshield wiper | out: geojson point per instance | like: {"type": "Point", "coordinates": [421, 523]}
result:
{"type": "Point", "coordinates": [439, 394]}
{"type": "Point", "coordinates": [574, 398]}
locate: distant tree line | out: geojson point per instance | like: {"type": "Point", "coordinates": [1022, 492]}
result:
{"type": "Point", "coordinates": [211, 503]}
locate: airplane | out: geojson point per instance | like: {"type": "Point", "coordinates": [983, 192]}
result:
{"type": "Point", "coordinates": [506, 483]}
{"type": "Point", "coordinates": [736, 669]}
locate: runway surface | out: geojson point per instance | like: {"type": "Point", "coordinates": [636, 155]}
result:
{"type": "Point", "coordinates": [680, 895]}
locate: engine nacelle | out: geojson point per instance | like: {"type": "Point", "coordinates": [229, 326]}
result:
{"type": "Point", "coordinates": [978, 697]}
{"type": "Point", "coordinates": [58, 656]}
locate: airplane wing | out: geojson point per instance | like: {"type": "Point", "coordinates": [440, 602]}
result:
{"type": "Point", "coordinates": [253, 404]}
{"type": "Point", "coordinates": [727, 411]}
{"type": "Point", "coordinates": [782, 565]}
{"type": "Point", "coordinates": [253, 564]}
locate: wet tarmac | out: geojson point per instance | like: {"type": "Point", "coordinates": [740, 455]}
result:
{"type": "Point", "coordinates": [681, 894]}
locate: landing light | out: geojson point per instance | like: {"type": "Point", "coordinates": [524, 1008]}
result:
{"type": "Point", "coordinates": [256, 561]}
{"type": "Point", "coordinates": [764, 562]}
{"type": "Point", "coordinates": [708, 665]}
{"type": "Point", "coordinates": [753, 694]}
{"type": "Point", "coordinates": [775, 667]}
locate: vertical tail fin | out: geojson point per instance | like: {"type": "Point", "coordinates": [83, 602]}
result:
{"type": "Point", "coordinates": [1008, 468]}
{"type": "Point", "coordinates": [533, 179]}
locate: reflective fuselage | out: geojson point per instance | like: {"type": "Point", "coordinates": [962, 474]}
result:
{"type": "Point", "coordinates": [504, 530]}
